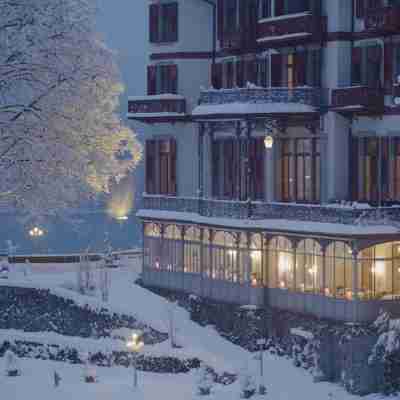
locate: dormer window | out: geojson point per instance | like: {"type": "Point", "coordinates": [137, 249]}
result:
{"type": "Point", "coordinates": [163, 22]}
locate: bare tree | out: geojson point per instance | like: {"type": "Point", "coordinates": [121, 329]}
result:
{"type": "Point", "coordinates": [60, 138]}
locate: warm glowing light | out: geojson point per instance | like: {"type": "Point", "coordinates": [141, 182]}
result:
{"type": "Point", "coordinates": [136, 343]}
{"type": "Point", "coordinates": [255, 255]}
{"type": "Point", "coordinates": [312, 270]}
{"type": "Point", "coordinates": [232, 253]}
{"type": "Point", "coordinates": [36, 232]}
{"type": "Point", "coordinates": [284, 263]}
{"type": "Point", "coordinates": [254, 282]}
{"type": "Point", "coordinates": [379, 268]}
{"type": "Point", "coordinates": [122, 218]}
{"type": "Point", "coordinates": [121, 201]}
{"type": "Point", "coordinates": [268, 142]}
{"type": "Point", "coordinates": [282, 284]}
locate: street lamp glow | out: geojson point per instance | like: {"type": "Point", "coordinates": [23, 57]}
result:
{"type": "Point", "coordinates": [36, 232]}
{"type": "Point", "coordinates": [134, 345]}
{"type": "Point", "coordinates": [121, 217]}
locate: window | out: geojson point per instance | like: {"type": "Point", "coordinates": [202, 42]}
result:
{"type": "Point", "coordinates": [162, 79]}
{"type": "Point", "coordinates": [366, 66]}
{"type": "Point", "coordinates": [265, 8]}
{"type": "Point", "coordinates": [281, 263]}
{"type": "Point", "coordinates": [229, 169]}
{"type": "Point", "coordinates": [283, 7]}
{"type": "Point", "coordinates": [300, 170]}
{"type": "Point", "coordinates": [161, 167]}
{"type": "Point", "coordinates": [376, 169]}
{"type": "Point", "coordinates": [163, 22]}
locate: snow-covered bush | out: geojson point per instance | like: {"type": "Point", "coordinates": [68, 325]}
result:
{"type": "Point", "coordinates": [204, 381]}
{"type": "Point", "coordinates": [247, 385]}
{"type": "Point", "coordinates": [12, 364]}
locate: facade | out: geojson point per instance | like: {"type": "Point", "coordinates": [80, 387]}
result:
{"type": "Point", "coordinates": [273, 153]}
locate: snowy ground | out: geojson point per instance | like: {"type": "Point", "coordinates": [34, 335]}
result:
{"type": "Point", "coordinates": [283, 380]}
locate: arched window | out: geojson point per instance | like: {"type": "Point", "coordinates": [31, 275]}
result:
{"type": "Point", "coordinates": [152, 246]}
{"type": "Point", "coordinates": [281, 263]}
{"type": "Point", "coordinates": [309, 267]}
{"type": "Point", "coordinates": [379, 272]}
{"type": "Point", "coordinates": [172, 249]}
{"type": "Point", "coordinates": [152, 230]}
{"type": "Point", "coordinates": [256, 257]}
{"type": "Point", "coordinates": [339, 271]}
{"type": "Point", "coordinates": [192, 250]}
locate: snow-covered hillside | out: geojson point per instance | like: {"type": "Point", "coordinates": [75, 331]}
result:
{"type": "Point", "coordinates": [282, 379]}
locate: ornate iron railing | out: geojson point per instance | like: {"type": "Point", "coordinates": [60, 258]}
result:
{"type": "Point", "coordinates": [262, 210]}
{"type": "Point", "coordinates": [301, 95]}
{"type": "Point", "coordinates": [157, 105]}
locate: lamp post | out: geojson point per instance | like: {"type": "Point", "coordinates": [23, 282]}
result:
{"type": "Point", "coordinates": [268, 142]}
{"type": "Point", "coordinates": [36, 233]}
{"type": "Point", "coordinates": [135, 344]}
{"type": "Point", "coordinates": [261, 387]}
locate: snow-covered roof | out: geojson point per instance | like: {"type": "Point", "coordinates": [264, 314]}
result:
{"type": "Point", "coordinates": [155, 115]}
{"type": "Point", "coordinates": [277, 225]}
{"type": "Point", "coordinates": [252, 108]}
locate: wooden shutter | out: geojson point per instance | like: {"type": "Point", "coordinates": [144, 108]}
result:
{"type": "Point", "coordinates": [276, 70]}
{"type": "Point", "coordinates": [150, 167]}
{"type": "Point", "coordinates": [229, 74]}
{"type": "Point", "coordinates": [279, 7]}
{"type": "Point", "coordinates": [388, 65]}
{"type": "Point", "coordinates": [154, 11]}
{"type": "Point", "coordinates": [216, 75]}
{"type": "Point", "coordinates": [356, 65]}
{"type": "Point", "coordinates": [220, 22]}
{"type": "Point", "coordinates": [360, 8]}
{"type": "Point", "coordinates": [300, 68]}
{"type": "Point", "coordinates": [151, 80]}
{"type": "Point", "coordinates": [215, 150]}
{"type": "Point", "coordinates": [172, 168]}
{"type": "Point", "coordinates": [251, 71]}
{"type": "Point", "coordinates": [240, 74]}
{"type": "Point", "coordinates": [172, 15]}
{"type": "Point", "coordinates": [173, 78]}
{"type": "Point", "coordinates": [228, 168]}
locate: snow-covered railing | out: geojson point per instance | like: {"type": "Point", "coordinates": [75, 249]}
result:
{"type": "Point", "coordinates": [290, 26]}
{"type": "Point", "coordinates": [383, 19]}
{"type": "Point", "coordinates": [306, 95]}
{"type": "Point", "coordinates": [358, 97]}
{"type": "Point", "coordinates": [355, 214]}
{"type": "Point", "coordinates": [158, 104]}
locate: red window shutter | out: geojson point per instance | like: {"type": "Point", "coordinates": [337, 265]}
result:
{"type": "Point", "coordinates": [279, 7]}
{"type": "Point", "coordinates": [150, 166]}
{"type": "Point", "coordinates": [173, 76]}
{"type": "Point", "coordinates": [216, 75]}
{"type": "Point", "coordinates": [388, 64]}
{"type": "Point", "coordinates": [300, 68]}
{"type": "Point", "coordinates": [173, 20]}
{"type": "Point", "coordinates": [151, 80]}
{"type": "Point", "coordinates": [154, 11]}
{"type": "Point", "coordinates": [228, 170]}
{"type": "Point", "coordinates": [360, 8]}
{"type": "Point", "coordinates": [276, 70]}
{"type": "Point", "coordinates": [240, 73]}
{"type": "Point", "coordinates": [251, 71]}
{"type": "Point", "coordinates": [172, 168]}
{"type": "Point", "coordinates": [220, 22]}
{"type": "Point", "coordinates": [215, 149]}
{"type": "Point", "coordinates": [229, 74]}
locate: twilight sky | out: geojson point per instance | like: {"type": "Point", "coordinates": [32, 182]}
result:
{"type": "Point", "coordinates": [122, 23]}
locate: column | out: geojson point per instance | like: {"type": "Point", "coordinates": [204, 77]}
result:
{"type": "Point", "coordinates": [201, 261]}
{"type": "Point", "coordinates": [249, 194]}
{"type": "Point", "coordinates": [183, 231]}
{"type": "Point", "coordinates": [354, 254]}
{"type": "Point", "coordinates": [207, 167]}
{"type": "Point", "coordinates": [238, 132]}
{"type": "Point", "coordinates": [201, 160]}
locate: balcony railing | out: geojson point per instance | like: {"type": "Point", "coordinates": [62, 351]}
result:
{"type": "Point", "coordinates": [289, 27]}
{"type": "Point", "coordinates": [385, 19]}
{"type": "Point", "coordinates": [359, 98]}
{"type": "Point", "coordinates": [308, 96]}
{"type": "Point", "coordinates": [156, 106]}
{"type": "Point", "coordinates": [259, 210]}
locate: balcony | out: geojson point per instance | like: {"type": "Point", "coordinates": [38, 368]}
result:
{"type": "Point", "coordinates": [327, 214]}
{"type": "Point", "coordinates": [257, 101]}
{"type": "Point", "coordinates": [358, 99]}
{"type": "Point", "coordinates": [383, 19]}
{"type": "Point", "coordinates": [158, 108]}
{"type": "Point", "coordinates": [292, 27]}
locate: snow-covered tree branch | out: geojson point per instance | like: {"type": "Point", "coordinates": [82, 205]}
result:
{"type": "Point", "coordinates": [61, 140]}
